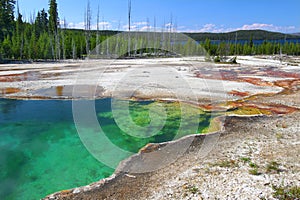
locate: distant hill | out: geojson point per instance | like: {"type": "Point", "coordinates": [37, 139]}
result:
{"type": "Point", "coordinates": [298, 34]}
{"type": "Point", "coordinates": [243, 35]}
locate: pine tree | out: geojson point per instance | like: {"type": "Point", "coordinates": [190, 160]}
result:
{"type": "Point", "coordinates": [19, 34]}
{"type": "Point", "coordinates": [53, 17]}
{"type": "Point", "coordinates": [38, 24]}
{"type": "Point", "coordinates": [44, 21]}
{"type": "Point", "coordinates": [6, 47]}
{"type": "Point", "coordinates": [6, 17]}
{"type": "Point", "coordinates": [53, 29]}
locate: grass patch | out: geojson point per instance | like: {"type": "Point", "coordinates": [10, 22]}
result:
{"type": "Point", "coordinates": [226, 164]}
{"type": "Point", "coordinates": [273, 167]}
{"type": "Point", "coordinates": [286, 193]}
{"type": "Point", "coordinates": [254, 172]}
{"type": "Point", "coordinates": [279, 136]}
{"type": "Point", "coordinates": [253, 165]}
{"type": "Point", "coordinates": [254, 169]}
{"type": "Point", "coordinates": [193, 190]}
{"type": "Point", "coordinates": [245, 159]}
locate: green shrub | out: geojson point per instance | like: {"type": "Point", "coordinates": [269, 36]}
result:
{"type": "Point", "coordinates": [245, 159]}
{"type": "Point", "coordinates": [254, 172]}
{"type": "Point", "coordinates": [253, 165]}
{"type": "Point", "coordinates": [286, 193]}
{"type": "Point", "coordinates": [226, 163]}
{"type": "Point", "coordinates": [217, 59]}
{"type": "Point", "coordinates": [193, 190]}
{"type": "Point", "coordinates": [273, 166]}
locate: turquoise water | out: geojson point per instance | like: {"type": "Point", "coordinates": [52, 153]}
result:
{"type": "Point", "coordinates": [41, 152]}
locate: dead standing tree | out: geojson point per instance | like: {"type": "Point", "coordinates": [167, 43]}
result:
{"type": "Point", "coordinates": [129, 25]}
{"type": "Point", "coordinates": [63, 38]}
{"type": "Point", "coordinates": [98, 35]}
{"type": "Point", "coordinates": [88, 19]}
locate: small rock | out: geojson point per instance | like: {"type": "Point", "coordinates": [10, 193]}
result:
{"type": "Point", "coordinates": [130, 176]}
{"type": "Point", "coordinates": [266, 183]}
{"type": "Point", "coordinates": [76, 191]}
{"type": "Point", "coordinates": [87, 188]}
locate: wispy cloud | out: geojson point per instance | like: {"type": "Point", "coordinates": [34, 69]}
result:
{"type": "Point", "coordinates": [81, 25]}
{"type": "Point", "coordinates": [138, 26]}
{"type": "Point", "coordinates": [140, 23]}
{"type": "Point", "coordinates": [102, 25]}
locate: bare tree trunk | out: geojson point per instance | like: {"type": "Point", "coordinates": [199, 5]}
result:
{"type": "Point", "coordinates": [58, 51]}
{"type": "Point", "coordinates": [22, 45]}
{"type": "Point", "coordinates": [107, 44]}
{"type": "Point", "coordinates": [175, 34]}
{"type": "Point", "coordinates": [135, 42]}
{"type": "Point", "coordinates": [98, 37]}
{"type": "Point", "coordinates": [163, 36]}
{"type": "Point", "coordinates": [148, 35]}
{"type": "Point", "coordinates": [170, 33]}
{"type": "Point", "coordinates": [117, 49]}
{"type": "Point", "coordinates": [63, 39]}
{"type": "Point", "coordinates": [88, 18]}
{"type": "Point", "coordinates": [129, 26]}
{"type": "Point", "coordinates": [155, 39]}
{"type": "Point", "coordinates": [73, 49]}
{"type": "Point", "coordinates": [52, 46]}
{"type": "Point", "coordinates": [57, 44]}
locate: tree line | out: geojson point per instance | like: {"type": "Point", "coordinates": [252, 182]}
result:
{"type": "Point", "coordinates": [45, 38]}
{"type": "Point", "coordinates": [225, 48]}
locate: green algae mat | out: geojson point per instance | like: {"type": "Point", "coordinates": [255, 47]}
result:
{"type": "Point", "coordinates": [41, 151]}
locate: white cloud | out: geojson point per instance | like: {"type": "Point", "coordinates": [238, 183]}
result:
{"type": "Point", "coordinates": [102, 25]}
{"type": "Point", "coordinates": [211, 28]}
{"type": "Point", "coordinates": [132, 27]}
{"type": "Point", "coordinates": [168, 25]}
{"type": "Point", "coordinates": [62, 23]}
{"type": "Point", "coordinates": [208, 28]}
{"type": "Point", "coordinates": [146, 28]}
{"type": "Point", "coordinates": [79, 25]}
{"type": "Point", "coordinates": [140, 23]}
{"type": "Point", "coordinates": [138, 26]}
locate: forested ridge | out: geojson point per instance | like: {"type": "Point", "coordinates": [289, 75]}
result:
{"type": "Point", "coordinates": [243, 35]}
{"type": "Point", "coordinates": [43, 38]}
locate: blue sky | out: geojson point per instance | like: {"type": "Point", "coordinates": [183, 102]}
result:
{"type": "Point", "coordinates": [187, 15]}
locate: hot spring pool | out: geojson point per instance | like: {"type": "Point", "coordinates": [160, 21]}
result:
{"type": "Point", "coordinates": [41, 152]}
